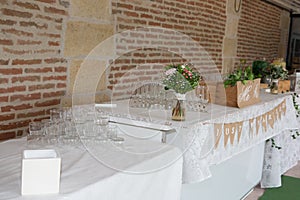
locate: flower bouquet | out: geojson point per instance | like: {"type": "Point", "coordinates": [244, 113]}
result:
{"type": "Point", "coordinates": [181, 78]}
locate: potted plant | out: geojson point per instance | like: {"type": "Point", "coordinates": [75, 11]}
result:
{"type": "Point", "coordinates": [260, 70]}
{"type": "Point", "coordinates": [280, 82]}
{"type": "Point", "coordinates": [241, 88]}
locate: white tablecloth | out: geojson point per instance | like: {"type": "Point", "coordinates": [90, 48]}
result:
{"type": "Point", "coordinates": [278, 161]}
{"type": "Point", "coordinates": [138, 170]}
{"type": "Point", "coordinates": [196, 138]}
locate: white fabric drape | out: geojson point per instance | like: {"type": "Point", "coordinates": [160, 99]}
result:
{"type": "Point", "coordinates": [148, 175]}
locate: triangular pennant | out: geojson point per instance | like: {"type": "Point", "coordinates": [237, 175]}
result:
{"type": "Point", "coordinates": [275, 114]}
{"type": "Point", "coordinates": [264, 122]}
{"type": "Point", "coordinates": [279, 108]}
{"type": "Point", "coordinates": [227, 131]}
{"type": "Point", "coordinates": [258, 123]}
{"type": "Point", "coordinates": [218, 134]}
{"type": "Point", "coordinates": [239, 128]}
{"type": "Point", "coordinates": [232, 132]}
{"type": "Point", "coordinates": [251, 127]}
{"type": "Point", "coordinates": [283, 105]}
{"type": "Point", "coordinates": [270, 116]}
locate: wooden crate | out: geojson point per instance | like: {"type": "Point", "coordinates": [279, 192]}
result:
{"type": "Point", "coordinates": [239, 95]}
{"type": "Point", "coordinates": [284, 86]}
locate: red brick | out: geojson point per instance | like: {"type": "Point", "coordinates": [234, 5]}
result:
{"type": "Point", "coordinates": [55, 60]}
{"type": "Point", "coordinates": [33, 24]}
{"type": "Point", "coordinates": [131, 14]}
{"type": "Point", "coordinates": [47, 51]}
{"type": "Point", "coordinates": [57, 78]}
{"type": "Point", "coordinates": [27, 5]}
{"type": "Point", "coordinates": [28, 42]}
{"type": "Point", "coordinates": [16, 13]}
{"type": "Point", "coordinates": [146, 16]}
{"type": "Point", "coordinates": [60, 69]}
{"type": "Point", "coordinates": [13, 89]}
{"type": "Point", "coordinates": [126, 6]}
{"type": "Point", "coordinates": [55, 11]}
{"type": "Point", "coordinates": [47, 1]}
{"type": "Point", "coordinates": [11, 71]}
{"type": "Point", "coordinates": [14, 108]}
{"type": "Point", "coordinates": [30, 114]}
{"type": "Point", "coordinates": [38, 70]}
{"type": "Point", "coordinates": [22, 79]}
{"type": "Point", "coordinates": [17, 32]}
{"type": "Point", "coordinates": [142, 9]}
{"type": "Point", "coordinates": [122, 61]}
{"type": "Point", "coordinates": [53, 43]}
{"type": "Point", "coordinates": [4, 80]}
{"type": "Point", "coordinates": [7, 117]}
{"type": "Point", "coordinates": [58, 20]}
{"type": "Point", "coordinates": [7, 135]}
{"type": "Point", "coordinates": [14, 125]}
{"type": "Point", "coordinates": [26, 62]}
{"type": "Point", "coordinates": [53, 94]}
{"type": "Point", "coordinates": [52, 35]}
{"type": "Point", "coordinates": [4, 62]}
{"type": "Point", "coordinates": [16, 52]}
{"type": "Point", "coordinates": [6, 42]}
{"type": "Point", "coordinates": [27, 97]}
{"type": "Point", "coordinates": [61, 85]}
{"type": "Point", "coordinates": [7, 22]}
{"type": "Point", "coordinates": [47, 103]}
{"type": "Point", "coordinates": [41, 87]}
{"type": "Point", "coordinates": [4, 99]}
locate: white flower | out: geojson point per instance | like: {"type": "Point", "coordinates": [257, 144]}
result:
{"type": "Point", "coordinates": [170, 71]}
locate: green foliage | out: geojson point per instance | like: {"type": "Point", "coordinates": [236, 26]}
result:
{"type": "Point", "coordinates": [258, 67]}
{"type": "Point", "coordinates": [297, 109]}
{"type": "Point", "coordinates": [277, 72]}
{"type": "Point", "coordinates": [273, 143]}
{"type": "Point", "coordinates": [239, 75]}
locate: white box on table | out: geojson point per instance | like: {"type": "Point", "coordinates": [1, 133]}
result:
{"type": "Point", "coordinates": [40, 172]}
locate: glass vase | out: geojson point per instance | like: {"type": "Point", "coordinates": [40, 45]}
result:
{"type": "Point", "coordinates": [178, 112]}
{"type": "Point", "coordinates": [274, 86]}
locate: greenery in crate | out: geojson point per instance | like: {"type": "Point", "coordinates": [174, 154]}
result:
{"type": "Point", "coordinates": [242, 75]}
{"type": "Point", "coordinates": [275, 70]}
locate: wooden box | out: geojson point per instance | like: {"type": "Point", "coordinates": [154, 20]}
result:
{"type": "Point", "coordinates": [239, 95]}
{"type": "Point", "coordinates": [284, 86]}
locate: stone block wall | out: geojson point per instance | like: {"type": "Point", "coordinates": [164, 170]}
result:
{"type": "Point", "coordinates": [89, 24]}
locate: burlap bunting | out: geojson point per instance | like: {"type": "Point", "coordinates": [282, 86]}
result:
{"type": "Point", "coordinates": [265, 120]}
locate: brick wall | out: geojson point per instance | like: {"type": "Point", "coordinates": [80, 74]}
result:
{"type": "Point", "coordinates": [258, 31]}
{"type": "Point", "coordinates": [201, 21]}
{"type": "Point", "coordinates": [33, 71]}
{"type": "Point", "coordinates": [43, 43]}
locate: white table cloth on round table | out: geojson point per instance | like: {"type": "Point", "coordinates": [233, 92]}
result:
{"type": "Point", "coordinates": [140, 170]}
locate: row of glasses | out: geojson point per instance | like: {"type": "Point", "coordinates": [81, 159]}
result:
{"type": "Point", "coordinates": [148, 95]}
{"type": "Point", "coordinates": [155, 96]}
{"type": "Point", "coordinates": [199, 100]}
{"type": "Point", "coordinates": [70, 126]}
